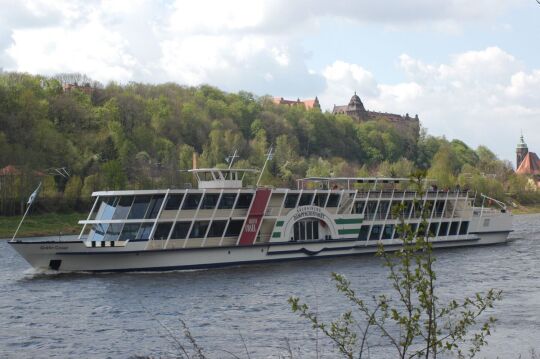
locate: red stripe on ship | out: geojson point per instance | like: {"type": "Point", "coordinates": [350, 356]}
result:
{"type": "Point", "coordinates": [254, 218]}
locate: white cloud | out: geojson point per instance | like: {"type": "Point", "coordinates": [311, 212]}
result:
{"type": "Point", "coordinates": [256, 45]}
{"type": "Point", "coordinates": [93, 48]}
{"type": "Point", "coordinates": [482, 97]}
{"type": "Point", "coordinates": [342, 79]}
{"type": "Point", "coordinates": [184, 40]}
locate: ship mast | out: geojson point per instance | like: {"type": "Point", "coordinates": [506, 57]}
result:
{"type": "Point", "coordinates": [269, 156]}
{"type": "Point", "coordinates": [230, 159]}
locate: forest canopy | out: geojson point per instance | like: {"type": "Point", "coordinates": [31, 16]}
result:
{"type": "Point", "coordinates": [138, 135]}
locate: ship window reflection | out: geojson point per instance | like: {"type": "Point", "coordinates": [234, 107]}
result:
{"type": "Point", "coordinates": [180, 230]}
{"type": "Point", "coordinates": [144, 231]}
{"type": "Point", "coordinates": [433, 227]}
{"type": "Point", "coordinates": [244, 200]}
{"type": "Point", "coordinates": [173, 203]}
{"type": "Point", "coordinates": [199, 229]}
{"type": "Point", "coordinates": [370, 210]}
{"type": "Point", "coordinates": [375, 232]}
{"type": "Point", "coordinates": [192, 201]}
{"type": "Point", "coordinates": [129, 232]}
{"type": "Point", "coordinates": [439, 209]}
{"type": "Point", "coordinates": [363, 234]}
{"type": "Point", "coordinates": [234, 228]}
{"type": "Point", "coordinates": [138, 209]}
{"type": "Point", "coordinates": [305, 199]}
{"type": "Point", "coordinates": [383, 209]}
{"type": "Point", "coordinates": [210, 201]}
{"type": "Point", "coordinates": [227, 201]}
{"type": "Point", "coordinates": [122, 208]}
{"type": "Point", "coordinates": [98, 231]}
{"type": "Point", "coordinates": [106, 208]}
{"type": "Point", "coordinates": [333, 200]}
{"type": "Point", "coordinates": [320, 199]}
{"type": "Point", "coordinates": [464, 228]}
{"type": "Point", "coordinates": [113, 231]}
{"type": "Point", "coordinates": [162, 230]}
{"type": "Point", "coordinates": [217, 228]}
{"type": "Point", "coordinates": [443, 229]}
{"type": "Point", "coordinates": [388, 230]}
{"type": "Point", "coordinates": [290, 200]}
{"type": "Point", "coordinates": [453, 229]}
{"type": "Point", "coordinates": [154, 207]}
{"type": "Point", "coordinates": [413, 227]}
{"type": "Point", "coordinates": [359, 207]}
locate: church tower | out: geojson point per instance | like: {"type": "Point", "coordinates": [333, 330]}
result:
{"type": "Point", "coordinates": [521, 151]}
{"type": "Point", "coordinates": [356, 109]}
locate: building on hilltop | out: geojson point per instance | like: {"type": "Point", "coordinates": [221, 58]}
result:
{"type": "Point", "coordinates": [308, 104]}
{"type": "Point", "coordinates": [356, 110]}
{"type": "Point", "coordinates": [527, 163]}
{"type": "Point", "coordinates": [86, 88]}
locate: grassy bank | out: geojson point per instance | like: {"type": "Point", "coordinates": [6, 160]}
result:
{"type": "Point", "coordinates": [49, 224]}
{"type": "Point", "coordinates": [530, 209]}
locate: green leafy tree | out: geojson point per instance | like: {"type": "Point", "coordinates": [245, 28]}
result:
{"type": "Point", "coordinates": [113, 175]}
{"type": "Point", "coordinates": [73, 189]}
{"type": "Point", "coordinates": [444, 167]}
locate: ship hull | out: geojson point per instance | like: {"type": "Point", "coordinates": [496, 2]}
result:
{"type": "Point", "coordinates": [75, 256]}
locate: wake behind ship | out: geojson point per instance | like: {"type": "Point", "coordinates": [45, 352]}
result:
{"type": "Point", "coordinates": [223, 222]}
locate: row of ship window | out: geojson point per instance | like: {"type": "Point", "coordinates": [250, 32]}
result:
{"type": "Point", "coordinates": [142, 231]}
{"type": "Point", "coordinates": [147, 206]}
{"type": "Point", "coordinates": [302, 230]}
{"type": "Point", "coordinates": [383, 209]}
{"type": "Point", "coordinates": [436, 229]}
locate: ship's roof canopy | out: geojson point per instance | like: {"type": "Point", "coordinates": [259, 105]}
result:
{"type": "Point", "coordinates": [358, 179]}
{"type": "Point", "coordinates": [200, 170]}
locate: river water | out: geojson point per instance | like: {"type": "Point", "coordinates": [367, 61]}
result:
{"type": "Point", "coordinates": [47, 315]}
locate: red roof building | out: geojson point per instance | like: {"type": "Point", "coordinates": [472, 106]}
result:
{"type": "Point", "coordinates": [530, 165]}
{"type": "Point", "coordinates": [86, 88]}
{"type": "Point", "coordinates": [308, 104]}
{"type": "Point", "coordinates": [9, 170]}
{"type": "Point", "coordinates": [527, 163]}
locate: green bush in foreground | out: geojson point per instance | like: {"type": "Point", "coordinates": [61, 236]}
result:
{"type": "Point", "coordinates": [415, 323]}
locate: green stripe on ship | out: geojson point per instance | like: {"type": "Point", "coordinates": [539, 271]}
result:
{"type": "Point", "coordinates": [276, 234]}
{"type": "Point", "coordinates": [279, 223]}
{"type": "Point", "coordinates": [349, 231]}
{"type": "Point", "coordinates": [348, 220]}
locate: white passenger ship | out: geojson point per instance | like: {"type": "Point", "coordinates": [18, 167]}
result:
{"type": "Point", "coordinates": [223, 223]}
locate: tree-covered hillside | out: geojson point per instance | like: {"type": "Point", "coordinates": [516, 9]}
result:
{"type": "Point", "coordinates": [140, 135]}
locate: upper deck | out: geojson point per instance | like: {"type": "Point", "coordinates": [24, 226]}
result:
{"type": "Point", "coordinates": [351, 183]}
{"type": "Point", "coordinates": [222, 211]}
{"type": "Point", "coordinates": [215, 178]}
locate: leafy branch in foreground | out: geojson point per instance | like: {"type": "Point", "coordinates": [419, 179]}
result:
{"type": "Point", "coordinates": [413, 321]}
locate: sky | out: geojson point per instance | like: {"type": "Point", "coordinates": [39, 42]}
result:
{"type": "Point", "coordinates": [469, 69]}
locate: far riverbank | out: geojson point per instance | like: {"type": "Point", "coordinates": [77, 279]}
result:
{"type": "Point", "coordinates": [37, 225]}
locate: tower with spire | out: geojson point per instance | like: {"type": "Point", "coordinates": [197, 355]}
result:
{"type": "Point", "coordinates": [521, 151]}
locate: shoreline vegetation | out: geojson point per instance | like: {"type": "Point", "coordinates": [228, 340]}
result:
{"type": "Point", "coordinates": [79, 139]}
{"type": "Point", "coordinates": [37, 225]}
{"type": "Point", "coordinates": [53, 224]}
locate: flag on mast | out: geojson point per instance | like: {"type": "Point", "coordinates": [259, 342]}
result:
{"type": "Point", "coordinates": [34, 194]}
